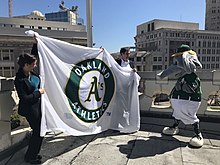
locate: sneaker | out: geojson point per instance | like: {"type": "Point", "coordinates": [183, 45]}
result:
{"type": "Point", "coordinates": [33, 161]}
{"type": "Point", "coordinates": [39, 157]}
{"type": "Point", "coordinates": [196, 141]}
{"type": "Point", "coordinates": [170, 130]}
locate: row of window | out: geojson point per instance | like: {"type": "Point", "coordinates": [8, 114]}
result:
{"type": "Point", "coordinates": [204, 66]}
{"type": "Point", "coordinates": [208, 59]}
{"type": "Point", "coordinates": [34, 27]}
{"type": "Point", "coordinates": [208, 51]}
{"type": "Point", "coordinates": [177, 35]}
{"type": "Point", "coordinates": [6, 55]}
{"type": "Point", "coordinates": [210, 66]}
{"type": "Point", "coordinates": [209, 44]}
{"type": "Point", "coordinates": [202, 59]}
{"type": "Point", "coordinates": [7, 71]}
{"type": "Point", "coordinates": [40, 27]}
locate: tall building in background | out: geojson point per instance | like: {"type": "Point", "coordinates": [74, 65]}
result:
{"type": "Point", "coordinates": [212, 16]}
{"type": "Point", "coordinates": [14, 42]}
{"type": "Point", "coordinates": [159, 39]}
{"type": "Point", "coordinates": [65, 14]}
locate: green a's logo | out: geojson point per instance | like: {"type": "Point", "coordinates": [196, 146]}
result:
{"type": "Point", "coordinates": [90, 89]}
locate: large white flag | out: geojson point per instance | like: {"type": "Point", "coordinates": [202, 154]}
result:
{"type": "Point", "coordinates": [86, 91]}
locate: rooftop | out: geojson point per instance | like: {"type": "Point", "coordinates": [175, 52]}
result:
{"type": "Point", "coordinates": [147, 146]}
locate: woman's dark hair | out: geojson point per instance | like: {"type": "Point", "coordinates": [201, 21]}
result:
{"type": "Point", "coordinates": [26, 59]}
{"type": "Point", "coordinates": [123, 50]}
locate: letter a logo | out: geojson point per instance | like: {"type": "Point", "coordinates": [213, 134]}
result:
{"type": "Point", "coordinates": [90, 89]}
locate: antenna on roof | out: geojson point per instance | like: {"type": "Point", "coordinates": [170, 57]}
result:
{"type": "Point", "coordinates": [10, 8]}
{"type": "Point", "coordinates": [62, 7]}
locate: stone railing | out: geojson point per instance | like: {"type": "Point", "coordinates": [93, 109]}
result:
{"type": "Point", "coordinates": [150, 85]}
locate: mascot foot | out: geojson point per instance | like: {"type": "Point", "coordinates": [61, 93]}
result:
{"type": "Point", "coordinates": [170, 131]}
{"type": "Point", "coordinates": [196, 141]}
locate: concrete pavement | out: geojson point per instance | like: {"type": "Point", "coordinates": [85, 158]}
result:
{"type": "Point", "coordinates": [145, 147]}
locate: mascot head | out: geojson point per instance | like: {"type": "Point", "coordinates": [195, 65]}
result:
{"type": "Point", "coordinates": [185, 61]}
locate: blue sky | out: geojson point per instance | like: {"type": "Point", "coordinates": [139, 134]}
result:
{"type": "Point", "coordinates": [114, 21]}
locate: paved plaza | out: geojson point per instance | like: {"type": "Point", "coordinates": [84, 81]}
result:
{"type": "Point", "coordinates": [145, 147]}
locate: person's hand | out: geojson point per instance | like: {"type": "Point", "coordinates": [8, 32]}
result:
{"type": "Point", "coordinates": [134, 69]}
{"type": "Point", "coordinates": [41, 90]}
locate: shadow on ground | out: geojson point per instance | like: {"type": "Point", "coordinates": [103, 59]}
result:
{"type": "Point", "coordinates": [152, 146]}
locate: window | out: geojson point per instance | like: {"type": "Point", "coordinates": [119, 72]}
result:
{"type": "Point", "coordinates": [213, 51]}
{"type": "Point", "coordinates": [208, 58]}
{"type": "Point", "coordinates": [152, 26]}
{"type": "Point", "coordinates": [1, 71]}
{"type": "Point", "coordinates": [7, 71]}
{"type": "Point", "coordinates": [213, 59]}
{"type": "Point", "coordinates": [138, 58]}
{"type": "Point", "coordinates": [208, 66]}
{"type": "Point", "coordinates": [5, 55]}
{"type": "Point", "coordinates": [157, 67]}
{"type": "Point", "coordinates": [148, 27]}
{"type": "Point", "coordinates": [155, 59]}
{"type": "Point", "coordinates": [208, 51]}
{"type": "Point", "coordinates": [213, 44]}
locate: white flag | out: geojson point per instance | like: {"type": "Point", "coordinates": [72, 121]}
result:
{"type": "Point", "coordinates": [86, 91]}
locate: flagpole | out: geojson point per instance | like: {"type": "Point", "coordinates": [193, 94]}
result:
{"type": "Point", "coordinates": [89, 22]}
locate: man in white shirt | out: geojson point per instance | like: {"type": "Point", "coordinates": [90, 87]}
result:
{"type": "Point", "coordinates": [124, 60]}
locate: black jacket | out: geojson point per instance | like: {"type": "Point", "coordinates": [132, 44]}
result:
{"type": "Point", "coordinates": [131, 63]}
{"type": "Point", "coordinates": [29, 99]}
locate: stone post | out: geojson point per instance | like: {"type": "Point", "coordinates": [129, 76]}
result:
{"type": "Point", "coordinates": [6, 106]}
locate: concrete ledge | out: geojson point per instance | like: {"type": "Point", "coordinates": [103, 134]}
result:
{"type": "Point", "coordinates": [5, 137]}
{"type": "Point", "coordinates": [19, 139]}
{"type": "Point", "coordinates": [168, 115]}
{"type": "Point", "coordinates": [19, 134]}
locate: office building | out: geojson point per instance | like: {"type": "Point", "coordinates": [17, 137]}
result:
{"type": "Point", "coordinates": [14, 42]}
{"type": "Point", "coordinates": [212, 15]}
{"type": "Point", "coordinates": [159, 39]}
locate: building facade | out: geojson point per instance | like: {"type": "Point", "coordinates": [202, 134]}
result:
{"type": "Point", "coordinates": [212, 15]}
{"type": "Point", "coordinates": [159, 39]}
{"type": "Point", "coordinates": [65, 16]}
{"type": "Point", "coordinates": [14, 42]}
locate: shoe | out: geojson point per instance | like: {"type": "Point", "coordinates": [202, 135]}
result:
{"type": "Point", "coordinates": [33, 161]}
{"type": "Point", "coordinates": [196, 141]}
{"type": "Point", "coordinates": [39, 157]}
{"type": "Point", "coordinates": [170, 131]}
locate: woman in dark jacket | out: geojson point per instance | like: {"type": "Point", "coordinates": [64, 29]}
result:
{"type": "Point", "coordinates": [27, 84]}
